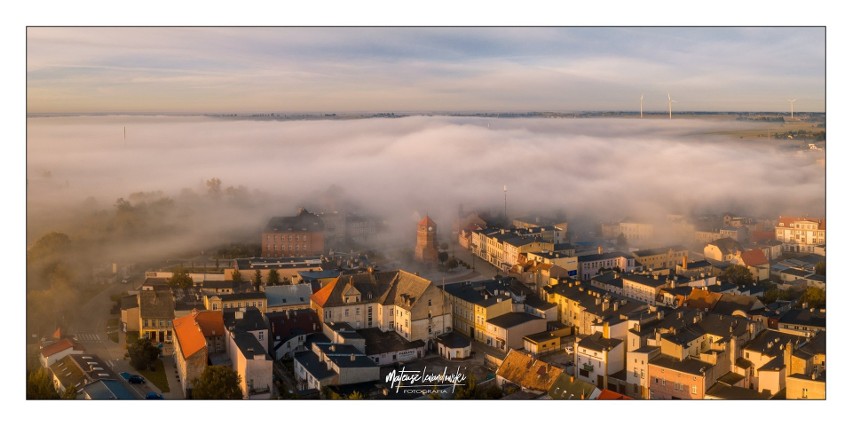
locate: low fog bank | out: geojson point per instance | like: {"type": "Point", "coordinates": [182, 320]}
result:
{"type": "Point", "coordinates": [401, 168]}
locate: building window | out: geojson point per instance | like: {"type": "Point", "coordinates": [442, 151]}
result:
{"type": "Point", "coordinates": [694, 390]}
{"type": "Point", "coordinates": [429, 302]}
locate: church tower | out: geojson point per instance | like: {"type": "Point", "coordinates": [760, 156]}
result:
{"type": "Point", "coordinates": [427, 243]}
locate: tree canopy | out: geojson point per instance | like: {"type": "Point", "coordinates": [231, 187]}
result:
{"type": "Point", "coordinates": [217, 382]}
{"type": "Point", "coordinates": [737, 274]}
{"type": "Point", "coordinates": [180, 279]}
{"type": "Point", "coordinates": [273, 278]}
{"type": "Point", "coordinates": [39, 385]}
{"type": "Point", "coordinates": [143, 353]}
{"type": "Point", "coordinates": [237, 276]}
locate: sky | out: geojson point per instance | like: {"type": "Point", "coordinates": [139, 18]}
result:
{"type": "Point", "coordinates": [419, 69]}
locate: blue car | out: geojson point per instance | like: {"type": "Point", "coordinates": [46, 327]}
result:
{"type": "Point", "coordinates": [153, 395]}
{"type": "Point", "coordinates": [132, 378]}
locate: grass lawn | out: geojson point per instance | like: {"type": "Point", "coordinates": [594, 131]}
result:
{"type": "Point", "coordinates": [157, 377]}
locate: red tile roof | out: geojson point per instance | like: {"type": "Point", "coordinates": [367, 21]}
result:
{"type": "Point", "coordinates": [787, 220]}
{"type": "Point", "coordinates": [426, 221]}
{"type": "Point", "coordinates": [754, 257]}
{"type": "Point", "coordinates": [57, 347]}
{"type": "Point", "coordinates": [607, 394]}
{"type": "Point", "coordinates": [190, 330]}
{"type": "Point", "coordinates": [322, 295]}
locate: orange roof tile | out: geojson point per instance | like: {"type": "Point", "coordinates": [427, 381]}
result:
{"type": "Point", "coordinates": [607, 394]}
{"type": "Point", "coordinates": [754, 257]}
{"type": "Point", "coordinates": [57, 347]}
{"type": "Point", "coordinates": [526, 371]}
{"type": "Point", "coordinates": [322, 295]}
{"type": "Point", "coordinates": [189, 335]}
{"type": "Point", "coordinates": [426, 221]}
{"type": "Point", "coordinates": [212, 323]}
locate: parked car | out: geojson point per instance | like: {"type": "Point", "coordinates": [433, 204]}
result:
{"type": "Point", "coordinates": [153, 395]}
{"type": "Point", "coordinates": [132, 378]}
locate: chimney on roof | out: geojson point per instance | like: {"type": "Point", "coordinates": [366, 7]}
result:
{"type": "Point", "coordinates": [331, 348]}
{"type": "Point", "coordinates": [570, 379]}
{"type": "Point", "coordinates": [600, 250]}
{"type": "Point", "coordinates": [352, 357]}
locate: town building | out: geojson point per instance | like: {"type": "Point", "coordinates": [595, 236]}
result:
{"type": "Point", "coordinates": [412, 306]}
{"type": "Point", "coordinates": [507, 331]}
{"type": "Point", "coordinates": [474, 303]}
{"type": "Point", "coordinates": [293, 236]}
{"type": "Point", "coordinates": [800, 234]}
{"type": "Point", "coordinates": [197, 335]}
{"type": "Point", "coordinates": [156, 312]}
{"type": "Point", "coordinates": [591, 265]}
{"type": "Point", "coordinates": [289, 330]}
{"type": "Point", "coordinates": [661, 258]}
{"type": "Point", "coordinates": [281, 298]}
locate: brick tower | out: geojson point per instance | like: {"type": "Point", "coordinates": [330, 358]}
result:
{"type": "Point", "coordinates": [427, 244]}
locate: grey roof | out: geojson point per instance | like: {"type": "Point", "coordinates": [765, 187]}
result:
{"type": "Point", "coordinates": [602, 256]}
{"type": "Point", "coordinates": [251, 295]}
{"type": "Point", "coordinates": [684, 336]}
{"type": "Point", "coordinates": [610, 278]}
{"type": "Point", "coordinates": [698, 264]}
{"type": "Point", "coordinates": [454, 339]}
{"type": "Point", "coordinates": [536, 303]}
{"type": "Point", "coordinates": [597, 342]}
{"type": "Point", "coordinates": [482, 293]}
{"type": "Point", "coordinates": [249, 346]}
{"type": "Point", "coordinates": [770, 342]}
{"type": "Point", "coordinates": [108, 389]}
{"type": "Point", "coordinates": [304, 221]}
{"type": "Point", "coordinates": [659, 250]}
{"type": "Point", "coordinates": [312, 363]}
{"type": "Point", "coordinates": [129, 302]}
{"type": "Point", "coordinates": [687, 365]}
{"type": "Point", "coordinates": [727, 245]}
{"type": "Point", "coordinates": [731, 378]}
{"type": "Point", "coordinates": [796, 272]}
{"type": "Point", "coordinates": [379, 342]}
{"type": "Point", "coordinates": [647, 280]}
{"type": "Point", "coordinates": [724, 325]}
{"type": "Point", "coordinates": [729, 303]}
{"type": "Point", "coordinates": [724, 391]}
{"type": "Point", "coordinates": [542, 336]}
{"type": "Point", "coordinates": [814, 346]}
{"type": "Point", "coordinates": [263, 263]}
{"type": "Point", "coordinates": [318, 275]}
{"type": "Point", "coordinates": [252, 320]}
{"type": "Point", "coordinates": [743, 363]}
{"type": "Point", "coordinates": [342, 356]}
{"type": "Point", "coordinates": [287, 295]}
{"type": "Point", "coordinates": [776, 364]}
{"type": "Point", "coordinates": [513, 319]}
{"type": "Point", "coordinates": [804, 317]}
{"type": "Point", "coordinates": [156, 304]}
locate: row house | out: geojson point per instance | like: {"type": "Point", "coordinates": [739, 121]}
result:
{"type": "Point", "coordinates": [800, 234]}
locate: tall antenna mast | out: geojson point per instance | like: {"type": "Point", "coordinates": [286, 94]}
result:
{"type": "Point", "coordinates": [791, 106]}
{"type": "Point", "coordinates": [505, 203]}
{"type": "Point", "coordinates": [641, 101]}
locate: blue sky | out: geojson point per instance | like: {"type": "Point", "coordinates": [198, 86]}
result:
{"type": "Point", "coordinates": [423, 69]}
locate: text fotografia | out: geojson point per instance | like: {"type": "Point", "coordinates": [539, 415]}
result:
{"type": "Point", "coordinates": [416, 381]}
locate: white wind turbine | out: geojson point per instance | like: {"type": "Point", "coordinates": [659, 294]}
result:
{"type": "Point", "coordinates": [791, 106]}
{"type": "Point", "coordinates": [670, 104]}
{"type": "Point", "coordinates": [641, 101]}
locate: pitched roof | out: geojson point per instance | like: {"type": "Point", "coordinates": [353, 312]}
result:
{"type": "Point", "coordinates": [727, 245]}
{"type": "Point", "coordinates": [512, 319]}
{"type": "Point", "coordinates": [297, 322]}
{"type": "Point", "coordinates": [701, 299]}
{"type": "Point", "coordinates": [156, 304]}
{"type": "Point", "coordinates": [607, 394]}
{"type": "Point", "coordinates": [787, 221]}
{"type": "Point", "coordinates": [528, 372]}
{"type": "Point", "coordinates": [754, 257]}
{"type": "Point", "coordinates": [386, 287]}
{"type": "Point", "coordinates": [567, 387]}
{"type": "Point", "coordinates": [304, 221]}
{"type": "Point", "coordinates": [426, 221]}
{"type": "Point", "coordinates": [285, 295]}
{"type": "Point", "coordinates": [190, 330]}
{"type": "Point", "coordinates": [57, 347]}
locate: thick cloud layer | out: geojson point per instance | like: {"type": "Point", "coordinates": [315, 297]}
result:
{"type": "Point", "coordinates": [398, 168]}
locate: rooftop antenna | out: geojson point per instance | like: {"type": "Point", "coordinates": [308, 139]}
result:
{"type": "Point", "coordinates": [670, 104]}
{"type": "Point", "coordinates": [505, 202]}
{"type": "Point", "coordinates": [641, 101]}
{"type": "Point", "coordinates": [791, 106]}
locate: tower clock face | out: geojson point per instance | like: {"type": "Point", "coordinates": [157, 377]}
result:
{"type": "Point", "coordinates": [430, 228]}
